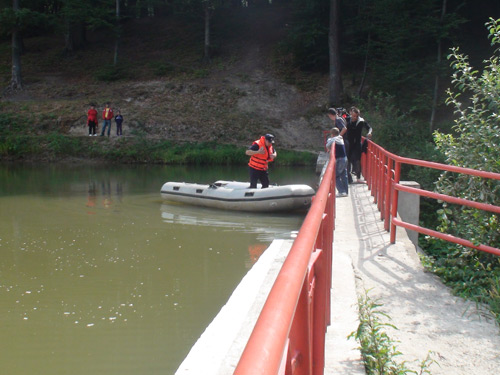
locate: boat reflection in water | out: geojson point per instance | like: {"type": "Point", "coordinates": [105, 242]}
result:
{"type": "Point", "coordinates": [267, 227]}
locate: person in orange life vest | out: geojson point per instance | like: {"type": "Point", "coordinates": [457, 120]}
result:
{"type": "Point", "coordinates": [92, 121]}
{"type": "Point", "coordinates": [107, 115]}
{"type": "Point", "coordinates": [261, 152]}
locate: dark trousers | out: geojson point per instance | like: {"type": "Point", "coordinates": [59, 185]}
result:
{"type": "Point", "coordinates": [92, 127]}
{"type": "Point", "coordinates": [256, 175]}
{"type": "Point", "coordinates": [354, 160]}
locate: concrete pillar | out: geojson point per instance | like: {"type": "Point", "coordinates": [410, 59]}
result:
{"type": "Point", "coordinates": [409, 209]}
{"type": "Point", "coordinates": [322, 160]}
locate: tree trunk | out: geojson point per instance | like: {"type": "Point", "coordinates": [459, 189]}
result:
{"type": "Point", "coordinates": [68, 38]}
{"type": "Point", "coordinates": [118, 32]}
{"type": "Point", "coordinates": [16, 82]}
{"type": "Point", "coordinates": [151, 9]}
{"type": "Point", "coordinates": [75, 36]}
{"type": "Point", "coordinates": [335, 78]}
{"type": "Point", "coordinates": [436, 80]}
{"type": "Point", "coordinates": [365, 68]}
{"type": "Point", "coordinates": [206, 53]}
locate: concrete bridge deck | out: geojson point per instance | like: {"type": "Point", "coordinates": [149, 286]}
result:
{"type": "Point", "coordinates": [462, 339]}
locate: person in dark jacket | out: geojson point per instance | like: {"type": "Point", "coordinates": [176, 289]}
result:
{"type": "Point", "coordinates": [355, 128]}
{"type": "Point", "coordinates": [338, 121]}
{"type": "Point", "coordinates": [118, 121]}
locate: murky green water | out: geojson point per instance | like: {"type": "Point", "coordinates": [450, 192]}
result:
{"type": "Point", "coordinates": [99, 276]}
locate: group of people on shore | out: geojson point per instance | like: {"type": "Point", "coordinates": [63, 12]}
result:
{"type": "Point", "coordinates": [107, 116]}
{"type": "Point", "coordinates": [345, 140]}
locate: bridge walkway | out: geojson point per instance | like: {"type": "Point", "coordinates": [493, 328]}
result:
{"type": "Point", "coordinates": [462, 338]}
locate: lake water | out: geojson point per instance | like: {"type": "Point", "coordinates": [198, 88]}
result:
{"type": "Point", "coordinates": [98, 275]}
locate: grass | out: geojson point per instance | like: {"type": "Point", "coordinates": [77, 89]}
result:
{"type": "Point", "coordinates": [378, 349]}
{"type": "Point", "coordinates": [19, 140]}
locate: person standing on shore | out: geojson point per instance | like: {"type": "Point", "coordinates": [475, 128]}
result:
{"type": "Point", "coordinates": [107, 115]}
{"type": "Point", "coordinates": [92, 121]}
{"type": "Point", "coordinates": [118, 121]}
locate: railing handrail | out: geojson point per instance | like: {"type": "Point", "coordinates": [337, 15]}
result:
{"type": "Point", "coordinates": [267, 345]}
{"type": "Point", "coordinates": [383, 171]}
{"type": "Point", "coordinates": [435, 165]}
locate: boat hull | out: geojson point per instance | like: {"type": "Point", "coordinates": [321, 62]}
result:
{"type": "Point", "coordinates": [237, 196]}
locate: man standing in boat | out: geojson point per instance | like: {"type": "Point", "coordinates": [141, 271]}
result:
{"type": "Point", "coordinates": [261, 152]}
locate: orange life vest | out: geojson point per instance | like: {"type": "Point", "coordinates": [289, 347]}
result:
{"type": "Point", "coordinates": [259, 161]}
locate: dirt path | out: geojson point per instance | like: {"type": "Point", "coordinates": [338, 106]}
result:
{"type": "Point", "coordinates": [462, 339]}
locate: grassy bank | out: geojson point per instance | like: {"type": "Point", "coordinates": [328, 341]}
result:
{"type": "Point", "coordinates": [18, 142]}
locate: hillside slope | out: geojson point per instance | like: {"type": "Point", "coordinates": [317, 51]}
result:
{"type": "Point", "coordinates": [167, 93]}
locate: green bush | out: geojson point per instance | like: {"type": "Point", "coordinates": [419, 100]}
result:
{"type": "Point", "coordinates": [474, 144]}
{"type": "Point", "coordinates": [63, 145]}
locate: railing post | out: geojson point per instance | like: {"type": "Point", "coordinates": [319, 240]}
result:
{"type": "Point", "coordinates": [369, 169]}
{"type": "Point", "coordinates": [373, 187]}
{"type": "Point", "coordinates": [380, 178]}
{"type": "Point", "coordinates": [299, 349]}
{"type": "Point", "coordinates": [388, 191]}
{"type": "Point", "coordinates": [394, 207]}
{"type": "Point", "coordinates": [321, 304]}
{"type": "Point", "coordinates": [383, 173]}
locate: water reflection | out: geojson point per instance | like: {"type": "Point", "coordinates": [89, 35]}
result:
{"type": "Point", "coordinates": [101, 193]}
{"type": "Point", "coordinates": [267, 227]}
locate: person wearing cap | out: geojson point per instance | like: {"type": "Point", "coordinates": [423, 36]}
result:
{"type": "Point", "coordinates": [261, 152]}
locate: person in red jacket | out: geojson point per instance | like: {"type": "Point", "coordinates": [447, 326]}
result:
{"type": "Point", "coordinates": [107, 115]}
{"type": "Point", "coordinates": [261, 152]}
{"type": "Point", "coordinates": [92, 121]}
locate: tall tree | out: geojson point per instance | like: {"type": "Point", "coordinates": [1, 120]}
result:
{"type": "Point", "coordinates": [207, 9]}
{"type": "Point", "coordinates": [16, 81]}
{"type": "Point", "coordinates": [448, 24]}
{"type": "Point", "coordinates": [335, 76]}
{"type": "Point", "coordinates": [117, 32]}
{"type": "Point", "coordinates": [75, 14]}
{"type": "Point", "coordinates": [436, 79]}
{"type": "Point", "coordinates": [200, 10]}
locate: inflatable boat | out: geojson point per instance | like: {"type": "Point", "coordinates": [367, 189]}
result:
{"type": "Point", "coordinates": [234, 195]}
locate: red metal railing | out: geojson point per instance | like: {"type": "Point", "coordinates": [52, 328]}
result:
{"type": "Point", "coordinates": [382, 171]}
{"type": "Point", "coordinates": [289, 336]}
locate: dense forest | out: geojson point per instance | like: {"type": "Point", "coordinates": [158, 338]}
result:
{"type": "Point", "coordinates": [390, 46]}
{"type": "Point", "coordinates": [218, 72]}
